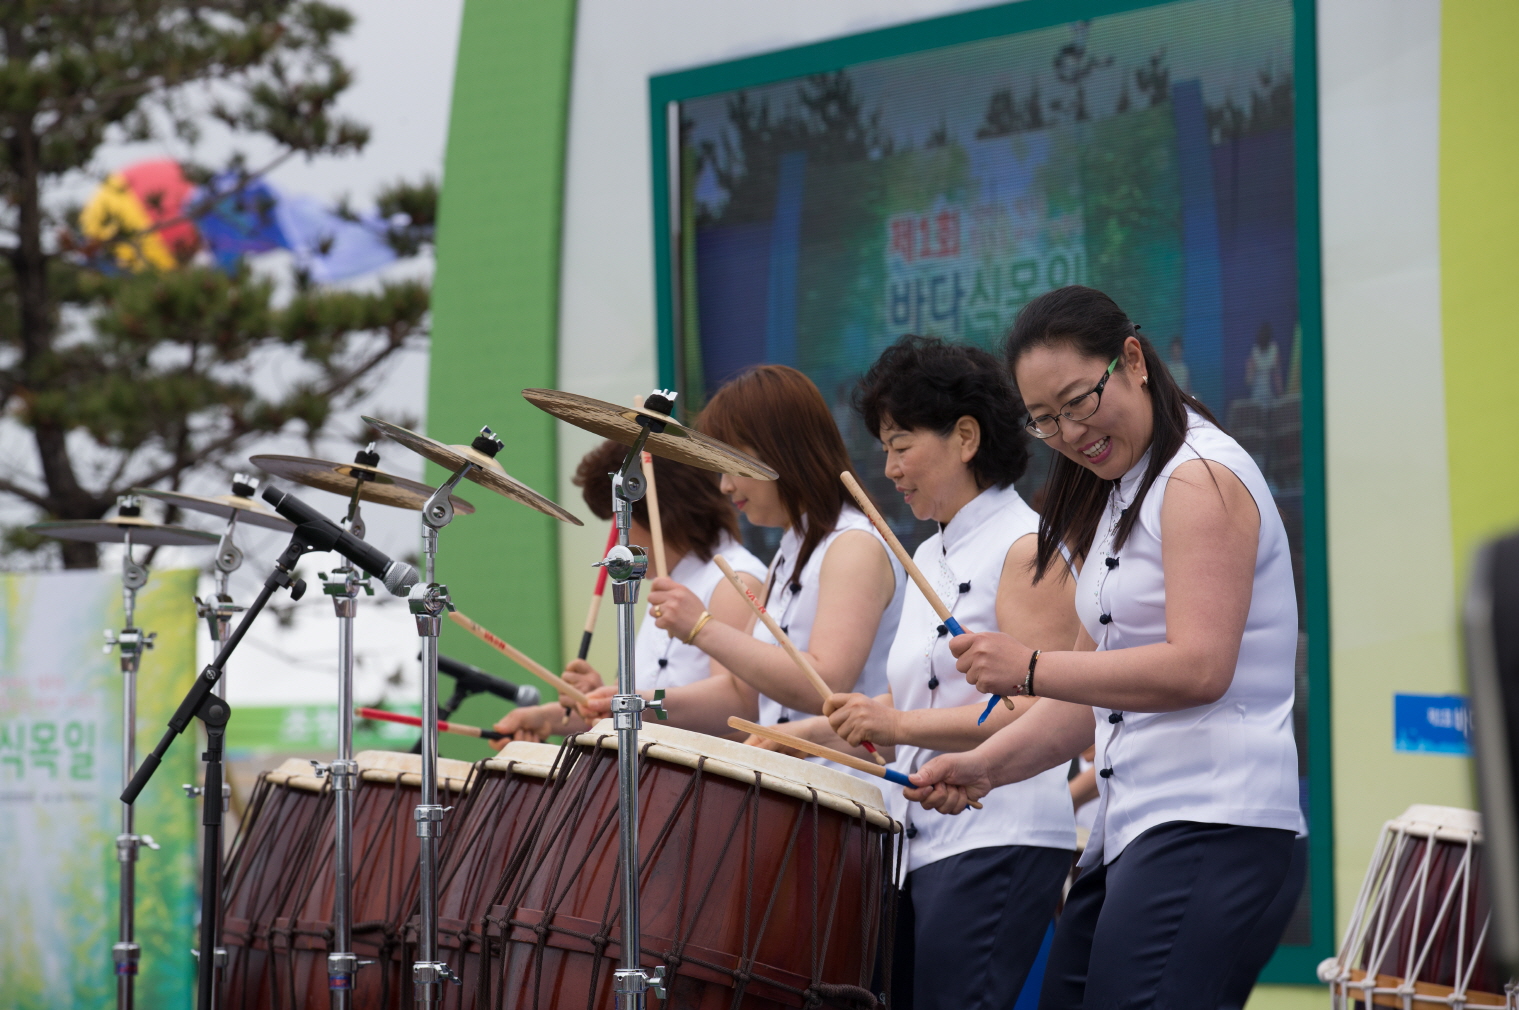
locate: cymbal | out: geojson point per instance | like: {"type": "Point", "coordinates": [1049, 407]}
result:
{"type": "Point", "coordinates": [223, 505]}
{"type": "Point", "coordinates": [486, 471]}
{"type": "Point", "coordinates": [620, 424]}
{"type": "Point", "coordinates": [114, 531]}
{"type": "Point", "coordinates": [380, 487]}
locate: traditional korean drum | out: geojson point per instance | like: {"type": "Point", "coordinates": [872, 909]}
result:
{"type": "Point", "coordinates": [277, 923]}
{"type": "Point", "coordinates": [1417, 936]}
{"type": "Point", "coordinates": [506, 797]}
{"type": "Point", "coordinates": [763, 882]}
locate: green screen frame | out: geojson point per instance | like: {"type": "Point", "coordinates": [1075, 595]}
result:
{"type": "Point", "coordinates": [1290, 965]}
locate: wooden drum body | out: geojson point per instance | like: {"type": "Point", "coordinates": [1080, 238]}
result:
{"type": "Point", "coordinates": [1417, 935]}
{"type": "Point", "coordinates": [278, 895]}
{"type": "Point", "coordinates": [506, 797]}
{"type": "Point", "coordinates": [764, 881]}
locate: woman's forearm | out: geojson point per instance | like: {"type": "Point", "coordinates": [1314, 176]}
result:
{"type": "Point", "coordinates": [955, 729]}
{"type": "Point", "coordinates": [704, 707]}
{"type": "Point", "coordinates": [768, 669]}
{"type": "Point", "coordinates": [1149, 678]}
{"type": "Point", "coordinates": [1051, 734]}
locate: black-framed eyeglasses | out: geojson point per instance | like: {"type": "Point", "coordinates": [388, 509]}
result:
{"type": "Point", "coordinates": [1079, 409]}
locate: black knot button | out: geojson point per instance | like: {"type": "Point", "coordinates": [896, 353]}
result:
{"type": "Point", "coordinates": [943, 630]}
{"type": "Point", "coordinates": [912, 831]}
{"type": "Point", "coordinates": [933, 682]}
{"type": "Point", "coordinates": [1105, 619]}
{"type": "Point", "coordinates": [1106, 773]}
{"type": "Point", "coordinates": [964, 587]}
{"type": "Point", "coordinates": [1111, 563]}
{"type": "Point", "coordinates": [1115, 717]}
{"type": "Point", "coordinates": [663, 663]}
{"type": "Point", "coordinates": [784, 718]}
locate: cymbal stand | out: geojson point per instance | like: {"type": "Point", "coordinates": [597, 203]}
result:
{"type": "Point", "coordinates": [627, 565]}
{"type": "Point", "coordinates": [343, 585]}
{"type": "Point", "coordinates": [217, 613]}
{"type": "Point", "coordinates": [427, 601]}
{"type": "Point", "coordinates": [214, 712]}
{"type": "Point", "coordinates": [132, 641]}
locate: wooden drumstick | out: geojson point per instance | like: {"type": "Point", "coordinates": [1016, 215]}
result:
{"type": "Point", "coordinates": [816, 679]}
{"type": "Point", "coordinates": [564, 687]}
{"type": "Point", "coordinates": [656, 527]}
{"type": "Point", "coordinates": [823, 751]}
{"type": "Point", "coordinates": [879, 522]}
{"type": "Point", "coordinates": [446, 727]}
{"type": "Point", "coordinates": [596, 595]}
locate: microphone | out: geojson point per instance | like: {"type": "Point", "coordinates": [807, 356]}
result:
{"type": "Point", "coordinates": [326, 535]}
{"type": "Point", "coordinates": [474, 680]}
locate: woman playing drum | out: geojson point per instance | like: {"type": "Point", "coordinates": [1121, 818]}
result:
{"type": "Point", "coordinates": [834, 587]}
{"type": "Point", "coordinates": [698, 523]}
{"type": "Point", "coordinates": [1189, 633]}
{"type": "Point", "coordinates": [981, 889]}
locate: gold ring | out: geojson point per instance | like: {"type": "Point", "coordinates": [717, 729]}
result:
{"type": "Point", "coordinates": [657, 611]}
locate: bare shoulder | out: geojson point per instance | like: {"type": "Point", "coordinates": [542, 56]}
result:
{"type": "Point", "coordinates": [1204, 489]}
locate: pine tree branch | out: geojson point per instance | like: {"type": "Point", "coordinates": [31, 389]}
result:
{"type": "Point", "coordinates": [32, 497]}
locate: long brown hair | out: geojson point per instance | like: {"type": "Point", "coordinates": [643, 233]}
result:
{"type": "Point", "coordinates": [776, 413]}
{"type": "Point", "coordinates": [1075, 497]}
{"type": "Point", "coordinates": [693, 513]}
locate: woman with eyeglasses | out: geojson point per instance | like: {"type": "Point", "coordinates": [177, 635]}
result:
{"type": "Point", "coordinates": [1182, 673]}
{"type": "Point", "coordinates": [980, 891]}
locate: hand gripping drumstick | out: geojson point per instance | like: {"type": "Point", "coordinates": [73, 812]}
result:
{"type": "Point", "coordinates": [656, 528]}
{"type": "Point", "coordinates": [446, 727]}
{"type": "Point", "coordinates": [596, 595]}
{"type": "Point", "coordinates": [869, 508]}
{"type": "Point", "coordinates": [800, 660]}
{"type": "Point", "coordinates": [564, 687]}
{"type": "Point", "coordinates": [819, 750]}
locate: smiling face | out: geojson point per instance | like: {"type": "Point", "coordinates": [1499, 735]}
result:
{"type": "Point", "coordinates": [760, 500]}
{"type": "Point", "coordinates": [1114, 438]}
{"type": "Point", "coordinates": [932, 471]}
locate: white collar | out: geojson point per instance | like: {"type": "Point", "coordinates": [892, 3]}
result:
{"type": "Point", "coordinates": [974, 514]}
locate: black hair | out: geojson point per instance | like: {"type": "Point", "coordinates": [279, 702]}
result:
{"type": "Point", "coordinates": [1075, 497]}
{"type": "Point", "coordinates": [927, 383]}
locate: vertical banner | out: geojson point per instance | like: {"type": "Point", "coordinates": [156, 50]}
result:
{"type": "Point", "coordinates": [60, 775]}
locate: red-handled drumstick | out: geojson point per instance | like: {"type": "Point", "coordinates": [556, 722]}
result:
{"type": "Point", "coordinates": [879, 522]}
{"type": "Point", "coordinates": [780, 636]}
{"type": "Point", "coordinates": [446, 727]}
{"type": "Point", "coordinates": [596, 594]}
{"type": "Point", "coordinates": [568, 693]}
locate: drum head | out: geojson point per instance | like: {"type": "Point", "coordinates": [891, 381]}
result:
{"type": "Point", "coordinates": [780, 773]}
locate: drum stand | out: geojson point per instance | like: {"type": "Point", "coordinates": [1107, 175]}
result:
{"type": "Point", "coordinates": [427, 601]}
{"type": "Point", "coordinates": [132, 642]}
{"type": "Point", "coordinates": [343, 586]}
{"type": "Point", "coordinates": [626, 565]}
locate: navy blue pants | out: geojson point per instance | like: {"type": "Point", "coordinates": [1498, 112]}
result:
{"type": "Point", "coordinates": [1162, 925]}
{"type": "Point", "coordinates": [977, 920]}
{"type": "Point", "coordinates": [1258, 949]}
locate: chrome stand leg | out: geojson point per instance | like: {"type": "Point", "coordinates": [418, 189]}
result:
{"type": "Point", "coordinates": [342, 964]}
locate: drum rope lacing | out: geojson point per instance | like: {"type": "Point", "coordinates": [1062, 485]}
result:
{"type": "Point", "coordinates": [543, 840]}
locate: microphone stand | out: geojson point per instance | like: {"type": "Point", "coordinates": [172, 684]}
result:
{"type": "Point", "coordinates": [200, 702]}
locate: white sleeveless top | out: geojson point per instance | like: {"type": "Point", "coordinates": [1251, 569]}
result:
{"type": "Point", "coordinates": [963, 562]}
{"type": "Point", "coordinates": [1231, 762]}
{"type": "Point", "coordinates": [665, 662]}
{"type": "Point", "coordinates": [795, 609]}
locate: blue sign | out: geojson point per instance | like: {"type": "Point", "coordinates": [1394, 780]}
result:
{"type": "Point", "coordinates": [1432, 723]}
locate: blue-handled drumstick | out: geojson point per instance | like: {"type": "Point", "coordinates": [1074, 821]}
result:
{"type": "Point", "coordinates": [822, 751]}
{"type": "Point", "coordinates": [869, 508]}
